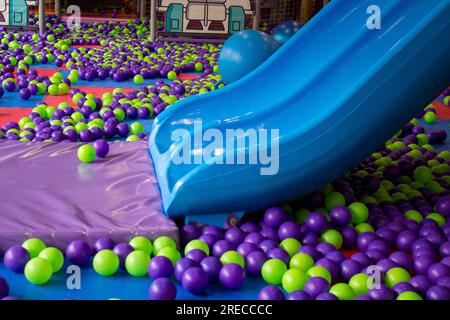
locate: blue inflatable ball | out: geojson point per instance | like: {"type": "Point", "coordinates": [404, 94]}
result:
{"type": "Point", "coordinates": [284, 31]}
{"type": "Point", "coordinates": [243, 52]}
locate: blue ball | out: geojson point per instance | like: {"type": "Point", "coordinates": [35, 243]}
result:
{"type": "Point", "coordinates": [284, 31]}
{"type": "Point", "coordinates": [243, 52]}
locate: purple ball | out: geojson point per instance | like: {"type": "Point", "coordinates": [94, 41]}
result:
{"type": "Point", "coordinates": [222, 246]}
{"type": "Point", "coordinates": [349, 268]}
{"type": "Point", "coordinates": [365, 239]}
{"type": "Point", "coordinates": [402, 259]}
{"type": "Point", "coordinates": [278, 253]}
{"type": "Point", "coordinates": [254, 238]}
{"type": "Point", "coordinates": [123, 250]}
{"type": "Point", "coordinates": [16, 258]}
{"type": "Point", "coordinates": [386, 264]}
{"type": "Point", "coordinates": [267, 245]}
{"type": "Point", "coordinates": [349, 236]}
{"type": "Point", "coordinates": [250, 227]}
{"type": "Point", "coordinates": [4, 288]}
{"type": "Point", "coordinates": [402, 287]}
{"type": "Point", "coordinates": [422, 263]}
{"type": "Point", "coordinates": [232, 276]}
{"type": "Point", "coordinates": [340, 216]}
{"type": "Point", "coordinates": [78, 252]}
{"type": "Point", "coordinates": [103, 243]}
{"type": "Point", "coordinates": [211, 266]}
{"type": "Point", "coordinates": [182, 265]}
{"type": "Point", "coordinates": [421, 284]}
{"type": "Point", "coordinates": [443, 206]}
{"type": "Point", "coordinates": [235, 236]}
{"type": "Point", "coordinates": [326, 296]}
{"type": "Point", "coordinates": [270, 233]}
{"type": "Point", "coordinates": [216, 231]}
{"type": "Point", "coordinates": [274, 217]}
{"type": "Point", "coordinates": [444, 249]}
{"type": "Point", "coordinates": [209, 239]}
{"type": "Point", "coordinates": [316, 222]}
{"type": "Point", "coordinates": [254, 262]}
{"type": "Point", "coordinates": [101, 148]}
{"type": "Point", "coordinates": [160, 267]}
{"type": "Point", "coordinates": [363, 297]}
{"type": "Point", "coordinates": [381, 292]}
{"type": "Point", "coordinates": [271, 293]}
{"type": "Point", "coordinates": [246, 248]}
{"type": "Point", "coordinates": [298, 295]}
{"type": "Point", "coordinates": [289, 229]}
{"type": "Point", "coordinates": [194, 280]}
{"type": "Point", "coordinates": [197, 255]}
{"type": "Point", "coordinates": [445, 282]}
{"type": "Point", "coordinates": [162, 289]}
{"type": "Point", "coordinates": [437, 271]}
{"type": "Point", "coordinates": [325, 247]}
{"type": "Point", "coordinates": [315, 286]}
{"type": "Point", "coordinates": [438, 292]}
{"type": "Point", "coordinates": [310, 250]}
{"type": "Point", "coordinates": [336, 256]}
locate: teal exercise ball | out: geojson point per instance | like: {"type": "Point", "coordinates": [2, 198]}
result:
{"type": "Point", "coordinates": [243, 52]}
{"type": "Point", "coordinates": [284, 31]}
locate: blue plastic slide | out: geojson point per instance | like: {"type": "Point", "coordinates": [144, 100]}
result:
{"type": "Point", "coordinates": [334, 93]}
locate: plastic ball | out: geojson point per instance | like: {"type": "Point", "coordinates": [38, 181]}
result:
{"type": "Point", "coordinates": [212, 267]}
{"type": "Point", "coordinates": [106, 263]}
{"type": "Point", "coordinates": [142, 243]}
{"type": "Point", "coordinates": [172, 253]}
{"type": "Point", "coordinates": [396, 275]}
{"type": "Point", "coordinates": [182, 265]}
{"type": "Point", "coordinates": [273, 270]}
{"type": "Point", "coordinates": [16, 258]}
{"type": "Point", "coordinates": [194, 280]}
{"type": "Point", "coordinates": [137, 263]}
{"type": "Point", "coordinates": [136, 127]}
{"type": "Point", "coordinates": [232, 276]}
{"type": "Point", "coordinates": [315, 286]}
{"type": "Point", "coordinates": [232, 257]}
{"type": "Point", "coordinates": [409, 295]}
{"type": "Point", "coordinates": [294, 279]}
{"type": "Point", "coordinates": [34, 246]}
{"type": "Point", "coordinates": [101, 148]}
{"type": "Point", "coordinates": [284, 31]}
{"type": "Point", "coordinates": [301, 261]}
{"type": "Point", "coordinates": [251, 46]}
{"type": "Point", "coordinates": [162, 289]}
{"type": "Point", "coordinates": [359, 284]}
{"type": "Point", "coordinates": [196, 244]}
{"type": "Point", "coordinates": [319, 271]}
{"type": "Point", "coordinates": [343, 291]}
{"type": "Point", "coordinates": [271, 293]}
{"type": "Point", "coordinates": [54, 256]}
{"type": "Point", "coordinates": [78, 252]}
{"type": "Point", "coordinates": [359, 212]}
{"type": "Point", "coordinates": [160, 267]}
{"type": "Point", "coordinates": [438, 292]}
{"type": "Point", "coordinates": [290, 245]}
{"type": "Point", "coordinates": [333, 237]}
{"type": "Point", "coordinates": [163, 242]}
{"type": "Point", "coordinates": [86, 153]}
{"type": "Point", "coordinates": [38, 271]}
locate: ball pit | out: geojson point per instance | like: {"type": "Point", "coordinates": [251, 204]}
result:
{"type": "Point", "coordinates": [393, 207]}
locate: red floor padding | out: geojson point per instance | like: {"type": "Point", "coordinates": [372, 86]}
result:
{"type": "Point", "coordinates": [442, 111]}
{"type": "Point", "coordinates": [13, 114]}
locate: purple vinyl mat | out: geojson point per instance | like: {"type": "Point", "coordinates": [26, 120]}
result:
{"type": "Point", "coordinates": [46, 192]}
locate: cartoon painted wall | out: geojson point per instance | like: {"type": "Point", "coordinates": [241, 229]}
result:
{"type": "Point", "coordinates": [205, 16]}
{"type": "Point", "coordinates": [14, 13]}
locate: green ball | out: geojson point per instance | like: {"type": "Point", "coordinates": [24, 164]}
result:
{"type": "Point", "coordinates": [334, 199]}
{"type": "Point", "coordinates": [142, 243]}
{"type": "Point", "coordinates": [137, 262]}
{"type": "Point", "coordinates": [423, 174]}
{"type": "Point", "coordinates": [163, 242]}
{"type": "Point", "coordinates": [171, 253]}
{"type": "Point", "coordinates": [333, 237]}
{"type": "Point", "coordinates": [54, 256]}
{"type": "Point", "coordinates": [396, 275]}
{"type": "Point", "coordinates": [447, 100]}
{"type": "Point", "coordinates": [232, 256]}
{"type": "Point", "coordinates": [38, 271]}
{"type": "Point", "coordinates": [63, 88]}
{"type": "Point", "coordinates": [413, 215]}
{"type": "Point", "coordinates": [196, 244]}
{"type": "Point", "coordinates": [136, 127]}
{"type": "Point", "coordinates": [359, 283]}
{"type": "Point", "coordinates": [172, 75]}
{"type": "Point", "coordinates": [422, 139]}
{"type": "Point", "coordinates": [301, 215]}
{"type": "Point", "coordinates": [343, 291]}
{"type": "Point", "coordinates": [440, 220]}
{"type": "Point", "coordinates": [106, 263]}
{"type": "Point", "coordinates": [301, 261]}
{"type": "Point", "coordinates": [359, 212]}
{"type": "Point", "coordinates": [86, 153]}
{"type": "Point", "coordinates": [409, 295]}
{"type": "Point", "coordinates": [53, 89]}
{"type": "Point", "coordinates": [364, 227]}
{"type": "Point", "coordinates": [138, 79]}
{"type": "Point", "coordinates": [290, 245]}
{"type": "Point", "coordinates": [430, 117]}
{"type": "Point", "coordinates": [133, 138]}
{"type": "Point", "coordinates": [119, 113]}
{"type": "Point", "coordinates": [319, 271]}
{"type": "Point", "coordinates": [34, 246]}
{"type": "Point", "coordinates": [273, 270]}
{"type": "Point", "coordinates": [294, 279]}
{"type": "Point", "coordinates": [198, 67]}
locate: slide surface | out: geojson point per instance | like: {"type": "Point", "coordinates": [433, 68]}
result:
{"type": "Point", "coordinates": [330, 96]}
